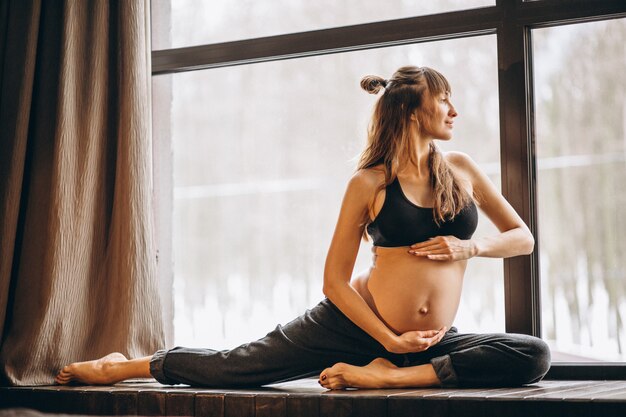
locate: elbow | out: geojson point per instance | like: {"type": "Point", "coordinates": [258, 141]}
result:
{"type": "Point", "coordinates": [528, 245]}
{"type": "Point", "coordinates": [331, 289]}
{"type": "Point", "coordinates": [328, 290]}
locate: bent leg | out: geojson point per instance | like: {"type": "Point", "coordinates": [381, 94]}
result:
{"type": "Point", "coordinates": [501, 359]}
{"type": "Point", "coordinates": [320, 338]}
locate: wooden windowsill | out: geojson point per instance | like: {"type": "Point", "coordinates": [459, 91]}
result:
{"type": "Point", "coordinates": [306, 398]}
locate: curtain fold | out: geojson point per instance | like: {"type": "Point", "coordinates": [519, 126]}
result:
{"type": "Point", "coordinates": [77, 256]}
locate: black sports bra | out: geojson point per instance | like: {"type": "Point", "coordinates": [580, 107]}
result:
{"type": "Point", "coordinates": [402, 223]}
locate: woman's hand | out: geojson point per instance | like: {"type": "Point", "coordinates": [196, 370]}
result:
{"type": "Point", "coordinates": [445, 248]}
{"type": "Point", "coordinates": [416, 340]}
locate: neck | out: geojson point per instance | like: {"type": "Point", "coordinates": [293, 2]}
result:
{"type": "Point", "coordinates": [418, 165]}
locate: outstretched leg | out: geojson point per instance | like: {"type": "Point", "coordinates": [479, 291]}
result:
{"type": "Point", "coordinates": [321, 337]}
{"type": "Point", "coordinates": [109, 369]}
{"type": "Point", "coordinates": [380, 373]}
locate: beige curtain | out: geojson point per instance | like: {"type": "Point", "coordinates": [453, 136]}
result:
{"type": "Point", "coordinates": [77, 257]}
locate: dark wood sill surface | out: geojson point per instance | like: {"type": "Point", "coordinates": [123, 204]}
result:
{"type": "Point", "coordinates": [306, 398]}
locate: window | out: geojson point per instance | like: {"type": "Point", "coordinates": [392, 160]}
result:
{"type": "Point", "coordinates": [262, 154]}
{"type": "Point", "coordinates": [581, 172]}
{"type": "Point", "coordinates": [533, 161]}
{"type": "Point", "coordinates": [224, 20]}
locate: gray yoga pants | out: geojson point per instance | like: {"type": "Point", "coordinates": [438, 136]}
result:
{"type": "Point", "coordinates": [323, 336]}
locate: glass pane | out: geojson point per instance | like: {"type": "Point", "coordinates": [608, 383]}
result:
{"type": "Point", "coordinates": [581, 150]}
{"type": "Point", "coordinates": [262, 155]}
{"type": "Point", "coordinates": [223, 20]}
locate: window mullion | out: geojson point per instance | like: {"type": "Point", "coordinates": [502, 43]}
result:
{"type": "Point", "coordinates": [521, 274]}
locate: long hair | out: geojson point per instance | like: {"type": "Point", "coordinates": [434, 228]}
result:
{"type": "Point", "coordinates": [389, 144]}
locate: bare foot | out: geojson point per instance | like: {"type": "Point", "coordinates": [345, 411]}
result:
{"type": "Point", "coordinates": [98, 372]}
{"type": "Point", "coordinates": [377, 374]}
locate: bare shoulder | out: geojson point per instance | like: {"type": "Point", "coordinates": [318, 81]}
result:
{"type": "Point", "coordinates": [463, 164]}
{"type": "Point", "coordinates": [367, 179]}
{"type": "Point", "coordinates": [460, 160]}
{"type": "Point", "coordinates": [360, 193]}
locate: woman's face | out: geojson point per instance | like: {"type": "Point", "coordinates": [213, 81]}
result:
{"type": "Point", "coordinates": [442, 117]}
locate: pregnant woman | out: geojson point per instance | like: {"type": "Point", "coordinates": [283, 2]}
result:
{"type": "Point", "coordinates": [390, 326]}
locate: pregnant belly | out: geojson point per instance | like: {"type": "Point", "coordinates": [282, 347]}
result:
{"type": "Point", "coordinates": [409, 292]}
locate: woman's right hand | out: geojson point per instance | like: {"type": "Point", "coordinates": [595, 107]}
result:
{"type": "Point", "coordinates": [416, 340]}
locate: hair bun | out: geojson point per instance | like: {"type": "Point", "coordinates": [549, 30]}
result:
{"type": "Point", "coordinates": [373, 83]}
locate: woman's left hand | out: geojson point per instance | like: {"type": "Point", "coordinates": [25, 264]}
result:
{"type": "Point", "coordinates": [444, 248]}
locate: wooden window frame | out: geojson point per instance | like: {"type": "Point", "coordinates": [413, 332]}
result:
{"type": "Point", "coordinates": [511, 21]}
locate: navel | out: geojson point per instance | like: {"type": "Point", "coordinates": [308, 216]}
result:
{"type": "Point", "coordinates": [423, 310]}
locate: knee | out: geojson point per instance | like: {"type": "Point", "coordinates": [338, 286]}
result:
{"type": "Point", "coordinates": [538, 357]}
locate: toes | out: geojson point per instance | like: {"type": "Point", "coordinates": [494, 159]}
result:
{"type": "Point", "coordinates": [330, 378]}
{"type": "Point", "coordinates": [323, 378]}
{"type": "Point", "coordinates": [336, 384]}
{"type": "Point", "coordinates": [325, 374]}
{"type": "Point", "coordinates": [64, 376]}
{"type": "Point", "coordinates": [62, 381]}
{"type": "Point", "coordinates": [326, 384]}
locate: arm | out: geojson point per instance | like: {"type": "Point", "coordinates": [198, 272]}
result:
{"type": "Point", "coordinates": [514, 238]}
{"type": "Point", "coordinates": [342, 255]}
{"type": "Point", "coordinates": [340, 263]}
